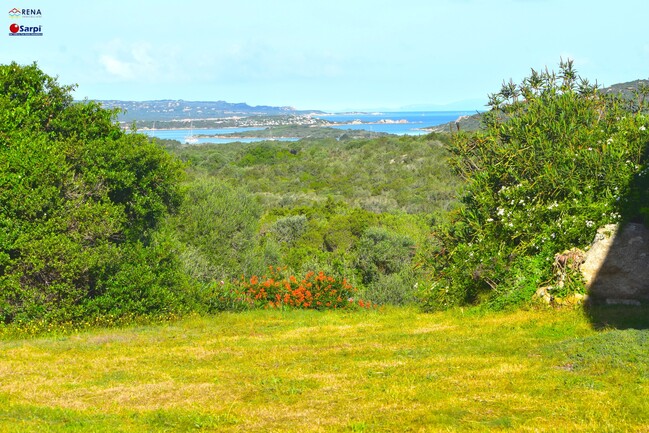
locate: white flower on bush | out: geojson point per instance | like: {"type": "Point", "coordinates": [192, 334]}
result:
{"type": "Point", "coordinates": [642, 128]}
{"type": "Point", "coordinates": [501, 211]}
{"type": "Point", "coordinates": [589, 223]}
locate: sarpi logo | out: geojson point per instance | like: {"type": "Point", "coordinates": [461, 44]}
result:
{"type": "Point", "coordinates": [25, 13]}
{"type": "Point", "coordinates": [17, 30]}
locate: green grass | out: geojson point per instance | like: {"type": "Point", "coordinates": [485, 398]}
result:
{"type": "Point", "coordinates": [303, 371]}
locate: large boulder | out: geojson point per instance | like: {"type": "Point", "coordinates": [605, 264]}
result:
{"type": "Point", "coordinates": [616, 267]}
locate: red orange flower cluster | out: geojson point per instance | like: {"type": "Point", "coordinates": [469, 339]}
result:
{"type": "Point", "coordinates": [314, 291]}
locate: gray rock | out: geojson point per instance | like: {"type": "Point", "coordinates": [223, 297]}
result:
{"type": "Point", "coordinates": [616, 267]}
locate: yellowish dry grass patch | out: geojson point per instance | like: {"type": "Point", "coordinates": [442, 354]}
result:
{"type": "Point", "coordinates": [304, 371]}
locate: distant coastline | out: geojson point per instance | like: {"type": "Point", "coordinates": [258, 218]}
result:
{"type": "Point", "coordinates": [295, 127]}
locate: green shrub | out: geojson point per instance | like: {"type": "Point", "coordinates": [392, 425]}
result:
{"type": "Point", "coordinates": [263, 153]}
{"type": "Point", "coordinates": [392, 289]}
{"type": "Point", "coordinates": [560, 165]}
{"type": "Point", "coordinates": [289, 229]}
{"type": "Point", "coordinates": [219, 225]}
{"type": "Point", "coordinates": [80, 206]}
{"type": "Point", "coordinates": [222, 295]}
{"type": "Point", "coordinates": [150, 280]}
{"type": "Point", "coordinates": [382, 252]}
{"type": "Point", "coordinates": [384, 261]}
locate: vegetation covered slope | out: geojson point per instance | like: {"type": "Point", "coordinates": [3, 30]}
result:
{"type": "Point", "coordinates": [96, 222]}
{"type": "Point", "coordinates": [394, 174]}
{"type": "Point", "coordinates": [356, 209]}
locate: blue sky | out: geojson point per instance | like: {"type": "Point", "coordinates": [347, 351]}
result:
{"type": "Point", "coordinates": [326, 54]}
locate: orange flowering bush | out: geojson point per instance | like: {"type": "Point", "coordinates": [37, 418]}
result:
{"type": "Point", "coordinates": [314, 291]}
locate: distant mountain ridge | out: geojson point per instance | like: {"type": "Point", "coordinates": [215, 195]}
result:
{"type": "Point", "coordinates": [625, 89]}
{"type": "Point", "coordinates": [175, 109]}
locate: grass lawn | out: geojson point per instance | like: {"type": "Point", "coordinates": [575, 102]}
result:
{"type": "Point", "coordinates": [302, 371]}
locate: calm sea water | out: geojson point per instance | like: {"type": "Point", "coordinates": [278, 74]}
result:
{"type": "Point", "coordinates": [416, 120]}
{"type": "Point", "coordinates": [371, 122]}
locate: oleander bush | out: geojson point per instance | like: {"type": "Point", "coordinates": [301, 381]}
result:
{"type": "Point", "coordinates": [563, 161]}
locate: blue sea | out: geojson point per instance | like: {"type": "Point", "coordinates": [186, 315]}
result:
{"type": "Point", "coordinates": [416, 120]}
{"type": "Point", "coordinates": [410, 123]}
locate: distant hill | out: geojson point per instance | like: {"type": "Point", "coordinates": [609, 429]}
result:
{"type": "Point", "coordinates": [474, 122]}
{"type": "Point", "coordinates": [625, 89]}
{"type": "Point", "coordinates": [168, 109]}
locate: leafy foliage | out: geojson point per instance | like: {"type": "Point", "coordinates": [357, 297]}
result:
{"type": "Point", "coordinates": [383, 252]}
{"type": "Point", "coordinates": [218, 224]}
{"type": "Point", "coordinates": [384, 260]}
{"type": "Point", "coordinates": [559, 166]}
{"type": "Point", "coordinates": [81, 202]}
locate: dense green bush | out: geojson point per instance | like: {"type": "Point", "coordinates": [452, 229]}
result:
{"type": "Point", "coordinates": [263, 154]}
{"type": "Point", "coordinates": [382, 252]}
{"type": "Point", "coordinates": [80, 205]}
{"type": "Point", "coordinates": [563, 162]}
{"type": "Point", "coordinates": [384, 260]}
{"type": "Point", "coordinates": [219, 225]}
{"type": "Point", "coordinates": [289, 229]}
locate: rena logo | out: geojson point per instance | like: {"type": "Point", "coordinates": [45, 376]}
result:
{"type": "Point", "coordinates": [17, 30]}
{"type": "Point", "coordinates": [25, 13]}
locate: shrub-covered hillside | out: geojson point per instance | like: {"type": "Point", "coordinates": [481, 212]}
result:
{"type": "Point", "coordinates": [356, 209]}
{"type": "Point", "coordinates": [388, 174]}
{"type": "Point", "coordinates": [97, 224]}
